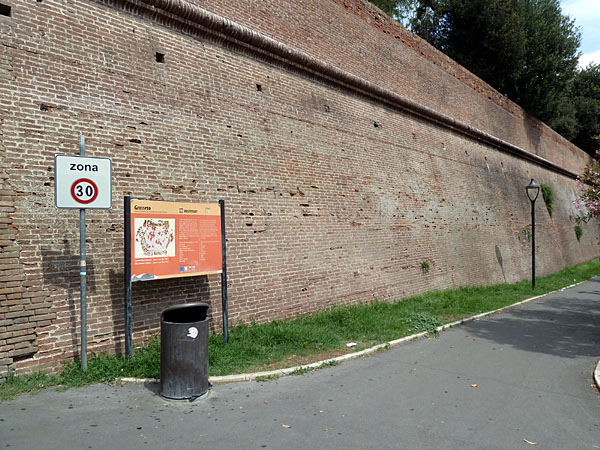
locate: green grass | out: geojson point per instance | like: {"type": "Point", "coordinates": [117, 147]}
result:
{"type": "Point", "coordinates": [17, 384]}
{"type": "Point", "coordinates": [101, 368]}
{"type": "Point", "coordinates": [275, 344]}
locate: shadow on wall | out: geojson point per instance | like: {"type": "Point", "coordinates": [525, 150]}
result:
{"type": "Point", "coordinates": [499, 258]}
{"type": "Point", "coordinates": [117, 296]}
{"type": "Point", "coordinates": [562, 326]}
{"type": "Point", "coordinates": [61, 270]}
{"type": "Point", "coordinates": [534, 133]}
{"type": "Point", "coordinates": [148, 302]}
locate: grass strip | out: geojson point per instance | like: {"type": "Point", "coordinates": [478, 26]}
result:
{"type": "Point", "coordinates": [285, 343]}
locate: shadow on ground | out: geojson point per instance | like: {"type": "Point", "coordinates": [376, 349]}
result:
{"type": "Point", "coordinates": [565, 324]}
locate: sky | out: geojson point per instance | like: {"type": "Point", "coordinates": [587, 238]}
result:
{"type": "Point", "coordinates": [587, 17]}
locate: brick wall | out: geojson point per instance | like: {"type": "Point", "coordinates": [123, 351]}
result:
{"type": "Point", "coordinates": [367, 43]}
{"type": "Point", "coordinates": [336, 189]}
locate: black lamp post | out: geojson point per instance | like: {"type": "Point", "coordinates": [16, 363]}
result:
{"type": "Point", "coordinates": [533, 190]}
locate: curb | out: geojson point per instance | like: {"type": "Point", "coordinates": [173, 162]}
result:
{"type": "Point", "coordinates": [316, 365]}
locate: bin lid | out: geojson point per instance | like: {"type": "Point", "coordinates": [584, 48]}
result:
{"type": "Point", "coordinates": [185, 312]}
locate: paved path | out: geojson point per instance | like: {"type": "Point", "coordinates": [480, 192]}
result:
{"type": "Point", "coordinates": [522, 375]}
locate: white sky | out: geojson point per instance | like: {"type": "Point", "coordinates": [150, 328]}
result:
{"type": "Point", "coordinates": [587, 17]}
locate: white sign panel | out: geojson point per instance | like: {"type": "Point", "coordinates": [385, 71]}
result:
{"type": "Point", "coordinates": [81, 182]}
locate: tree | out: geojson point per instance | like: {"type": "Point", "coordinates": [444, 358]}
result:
{"type": "Point", "coordinates": [390, 7]}
{"type": "Point", "coordinates": [544, 85]}
{"type": "Point", "coordinates": [526, 49]}
{"type": "Point", "coordinates": [485, 36]}
{"type": "Point", "coordinates": [401, 10]}
{"type": "Point", "coordinates": [586, 99]}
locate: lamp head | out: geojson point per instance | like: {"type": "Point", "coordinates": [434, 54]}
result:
{"type": "Point", "coordinates": [533, 190]}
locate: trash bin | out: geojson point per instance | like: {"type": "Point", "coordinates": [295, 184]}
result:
{"type": "Point", "coordinates": [184, 351]}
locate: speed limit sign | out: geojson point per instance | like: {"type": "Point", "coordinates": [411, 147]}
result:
{"type": "Point", "coordinates": [84, 191]}
{"type": "Point", "coordinates": [81, 182]}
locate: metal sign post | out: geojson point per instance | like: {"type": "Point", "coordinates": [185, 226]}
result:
{"type": "Point", "coordinates": [82, 273]}
{"type": "Point", "coordinates": [127, 280]}
{"type": "Point", "coordinates": [82, 183]}
{"type": "Point", "coordinates": [224, 302]}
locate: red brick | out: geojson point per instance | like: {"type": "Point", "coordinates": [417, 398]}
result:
{"type": "Point", "coordinates": [323, 207]}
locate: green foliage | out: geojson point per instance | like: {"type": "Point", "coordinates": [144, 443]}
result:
{"type": "Point", "coordinates": [425, 266]}
{"type": "Point", "coordinates": [14, 385]}
{"type": "Point", "coordinates": [267, 378]}
{"type": "Point", "coordinates": [586, 97]}
{"type": "Point", "coordinates": [145, 363]}
{"type": "Point", "coordinates": [387, 6]}
{"type": "Point", "coordinates": [392, 8]}
{"type": "Point", "coordinates": [401, 10]}
{"type": "Point", "coordinates": [526, 231]}
{"type": "Point", "coordinates": [485, 36]}
{"type": "Point", "coordinates": [545, 81]}
{"type": "Point", "coordinates": [305, 370]}
{"type": "Point", "coordinates": [578, 232]}
{"type": "Point", "coordinates": [259, 347]}
{"type": "Point", "coordinates": [526, 49]}
{"type": "Point", "coordinates": [423, 321]}
{"type": "Point", "coordinates": [548, 195]}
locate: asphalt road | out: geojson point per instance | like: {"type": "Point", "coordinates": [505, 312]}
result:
{"type": "Point", "coordinates": [509, 381]}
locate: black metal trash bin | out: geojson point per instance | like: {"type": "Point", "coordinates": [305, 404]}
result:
{"type": "Point", "coordinates": [184, 351]}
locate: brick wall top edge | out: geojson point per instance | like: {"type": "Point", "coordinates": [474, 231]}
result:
{"type": "Point", "coordinates": [190, 12]}
{"type": "Point", "coordinates": [372, 15]}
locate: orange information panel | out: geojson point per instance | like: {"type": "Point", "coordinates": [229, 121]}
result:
{"type": "Point", "coordinates": [171, 239]}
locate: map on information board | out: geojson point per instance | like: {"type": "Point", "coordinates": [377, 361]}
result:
{"type": "Point", "coordinates": [154, 237]}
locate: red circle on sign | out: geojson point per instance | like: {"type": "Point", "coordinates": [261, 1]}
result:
{"type": "Point", "coordinates": [84, 180]}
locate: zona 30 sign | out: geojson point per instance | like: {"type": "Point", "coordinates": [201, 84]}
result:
{"type": "Point", "coordinates": [81, 182]}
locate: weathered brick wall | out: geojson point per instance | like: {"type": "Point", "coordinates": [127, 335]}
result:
{"type": "Point", "coordinates": [404, 64]}
{"type": "Point", "coordinates": [323, 206]}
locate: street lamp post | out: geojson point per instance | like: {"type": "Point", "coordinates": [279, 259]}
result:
{"type": "Point", "coordinates": [533, 190]}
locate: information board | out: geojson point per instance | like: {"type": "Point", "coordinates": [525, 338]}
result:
{"type": "Point", "coordinates": [171, 239]}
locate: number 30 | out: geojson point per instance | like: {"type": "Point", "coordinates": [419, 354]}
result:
{"type": "Point", "coordinates": [89, 191]}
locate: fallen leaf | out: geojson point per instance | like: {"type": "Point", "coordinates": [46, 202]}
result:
{"type": "Point", "coordinates": [473, 385]}
{"type": "Point", "coordinates": [241, 407]}
{"type": "Point", "coordinates": [529, 442]}
{"type": "Point", "coordinates": [286, 426]}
